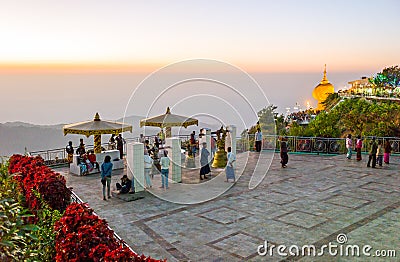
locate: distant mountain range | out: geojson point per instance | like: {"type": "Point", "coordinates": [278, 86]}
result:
{"type": "Point", "coordinates": [15, 137]}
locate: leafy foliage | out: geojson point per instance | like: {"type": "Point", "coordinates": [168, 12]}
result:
{"type": "Point", "coordinates": [356, 116]}
{"type": "Point", "coordinates": [45, 234]}
{"type": "Point", "coordinates": [331, 101]}
{"type": "Point", "coordinates": [34, 176]}
{"type": "Point", "coordinates": [389, 77]}
{"type": "Point", "coordinates": [16, 235]}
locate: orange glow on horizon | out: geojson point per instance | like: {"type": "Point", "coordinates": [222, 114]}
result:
{"type": "Point", "coordinates": [115, 67]}
{"type": "Point", "coordinates": [10, 68]}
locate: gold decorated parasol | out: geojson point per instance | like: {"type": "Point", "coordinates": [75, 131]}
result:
{"type": "Point", "coordinates": [96, 127]}
{"type": "Point", "coordinates": [168, 120]}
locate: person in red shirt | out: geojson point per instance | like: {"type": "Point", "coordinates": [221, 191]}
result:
{"type": "Point", "coordinates": [92, 159]}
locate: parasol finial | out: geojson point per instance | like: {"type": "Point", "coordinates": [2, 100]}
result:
{"type": "Point", "coordinates": [97, 117]}
{"type": "Point", "coordinates": [168, 111]}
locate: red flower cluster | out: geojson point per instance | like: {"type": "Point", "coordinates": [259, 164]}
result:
{"type": "Point", "coordinates": [33, 175]}
{"type": "Point", "coordinates": [82, 236]}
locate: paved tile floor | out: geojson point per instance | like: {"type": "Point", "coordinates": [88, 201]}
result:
{"type": "Point", "coordinates": [310, 202]}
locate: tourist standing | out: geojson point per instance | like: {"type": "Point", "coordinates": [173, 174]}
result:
{"type": "Point", "coordinates": [70, 151]}
{"type": "Point", "coordinates": [111, 143]}
{"type": "Point", "coordinates": [148, 165]}
{"type": "Point", "coordinates": [161, 137]}
{"type": "Point", "coordinates": [359, 145]}
{"type": "Point", "coordinates": [205, 168]}
{"type": "Point", "coordinates": [349, 146]}
{"type": "Point", "coordinates": [164, 161]}
{"type": "Point", "coordinates": [142, 139]}
{"type": "Point", "coordinates": [258, 140]}
{"type": "Point", "coordinates": [156, 142]}
{"type": "Point", "coordinates": [379, 153]}
{"type": "Point", "coordinates": [120, 145]}
{"type": "Point", "coordinates": [81, 149]}
{"type": "Point", "coordinates": [213, 146]}
{"type": "Point", "coordinates": [193, 143]}
{"type": "Point", "coordinates": [229, 170]}
{"type": "Point", "coordinates": [106, 169]}
{"type": "Point", "coordinates": [387, 151]}
{"type": "Point", "coordinates": [284, 152]}
{"type": "Point", "coordinates": [372, 154]}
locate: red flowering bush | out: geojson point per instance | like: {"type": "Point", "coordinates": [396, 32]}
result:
{"type": "Point", "coordinates": [34, 176]}
{"type": "Point", "coordinates": [82, 236]}
{"type": "Point", "coordinates": [124, 254]}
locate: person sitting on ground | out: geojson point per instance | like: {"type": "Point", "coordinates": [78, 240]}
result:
{"type": "Point", "coordinates": [125, 185]}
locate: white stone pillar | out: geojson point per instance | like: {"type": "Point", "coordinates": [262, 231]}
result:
{"type": "Point", "coordinates": [175, 155]}
{"type": "Point", "coordinates": [135, 158]}
{"type": "Point", "coordinates": [232, 137]}
{"type": "Point", "coordinates": [208, 141]}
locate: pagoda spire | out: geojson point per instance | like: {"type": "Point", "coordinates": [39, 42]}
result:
{"type": "Point", "coordinates": [324, 79]}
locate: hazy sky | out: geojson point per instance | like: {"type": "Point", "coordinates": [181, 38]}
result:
{"type": "Point", "coordinates": [94, 53]}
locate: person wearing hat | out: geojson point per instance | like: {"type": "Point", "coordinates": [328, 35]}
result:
{"type": "Point", "coordinates": [372, 153]}
{"type": "Point", "coordinates": [205, 167]}
{"type": "Point", "coordinates": [125, 185]}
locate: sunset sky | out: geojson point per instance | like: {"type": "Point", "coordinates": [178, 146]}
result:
{"type": "Point", "coordinates": [261, 36]}
{"type": "Point", "coordinates": [61, 61]}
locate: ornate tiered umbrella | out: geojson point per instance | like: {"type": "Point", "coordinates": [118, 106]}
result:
{"type": "Point", "coordinates": [168, 120]}
{"type": "Point", "coordinates": [96, 127]}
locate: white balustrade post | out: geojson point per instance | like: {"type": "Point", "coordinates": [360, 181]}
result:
{"type": "Point", "coordinates": [208, 141]}
{"type": "Point", "coordinates": [175, 155]}
{"type": "Point", "coordinates": [135, 158]}
{"type": "Point", "coordinates": [232, 135]}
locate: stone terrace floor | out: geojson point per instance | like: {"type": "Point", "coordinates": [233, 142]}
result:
{"type": "Point", "coordinates": [308, 203]}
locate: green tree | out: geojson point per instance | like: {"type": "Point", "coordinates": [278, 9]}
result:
{"type": "Point", "coordinates": [267, 117]}
{"type": "Point", "coordinates": [389, 77]}
{"type": "Point", "coordinates": [331, 101]}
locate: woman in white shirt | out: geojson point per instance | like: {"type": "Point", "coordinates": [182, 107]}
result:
{"type": "Point", "coordinates": [148, 164]}
{"type": "Point", "coordinates": [230, 172]}
{"type": "Point", "coordinates": [164, 161]}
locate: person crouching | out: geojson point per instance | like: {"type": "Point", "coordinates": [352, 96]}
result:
{"type": "Point", "coordinates": [125, 185]}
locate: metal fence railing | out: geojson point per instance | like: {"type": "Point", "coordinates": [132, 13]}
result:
{"type": "Point", "coordinates": [54, 157]}
{"type": "Point", "coordinates": [313, 144]}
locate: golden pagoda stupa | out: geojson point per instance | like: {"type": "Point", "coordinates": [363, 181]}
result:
{"type": "Point", "coordinates": [322, 91]}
